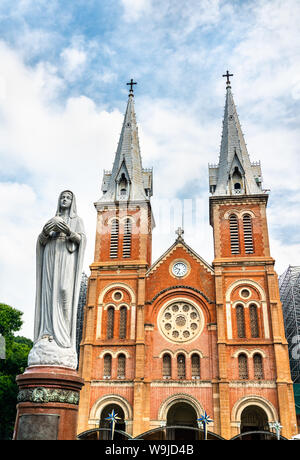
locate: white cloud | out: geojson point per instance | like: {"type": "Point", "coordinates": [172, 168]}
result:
{"type": "Point", "coordinates": [53, 147]}
{"type": "Point", "coordinates": [74, 61]}
{"type": "Point", "coordinates": [133, 9]}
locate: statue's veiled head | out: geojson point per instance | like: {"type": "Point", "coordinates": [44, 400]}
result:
{"type": "Point", "coordinates": [66, 201]}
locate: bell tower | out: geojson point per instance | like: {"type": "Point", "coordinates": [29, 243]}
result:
{"type": "Point", "coordinates": [112, 349]}
{"type": "Point", "coordinates": [251, 337]}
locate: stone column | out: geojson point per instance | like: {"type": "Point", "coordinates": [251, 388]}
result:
{"type": "Point", "coordinates": [47, 403]}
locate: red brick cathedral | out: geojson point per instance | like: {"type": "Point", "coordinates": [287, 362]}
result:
{"type": "Point", "coordinates": [164, 342]}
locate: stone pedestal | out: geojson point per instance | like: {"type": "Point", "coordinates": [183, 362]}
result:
{"type": "Point", "coordinates": [47, 403]}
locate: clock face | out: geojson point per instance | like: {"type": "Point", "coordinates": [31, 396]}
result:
{"type": "Point", "coordinates": [179, 269]}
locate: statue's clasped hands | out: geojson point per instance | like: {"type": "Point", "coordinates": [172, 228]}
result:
{"type": "Point", "coordinates": [56, 224]}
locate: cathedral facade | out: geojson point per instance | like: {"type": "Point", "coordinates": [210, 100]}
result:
{"type": "Point", "coordinates": [163, 342]}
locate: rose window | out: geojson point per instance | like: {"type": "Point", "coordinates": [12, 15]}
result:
{"type": "Point", "coordinates": [180, 321]}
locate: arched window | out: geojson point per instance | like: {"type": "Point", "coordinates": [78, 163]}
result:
{"type": "Point", "coordinates": [107, 367]}
{"type": "Point", "coordinates": [240, 321]}
{"type": "Point", "coordinates": [114, 239]}
{"type": "Point", "coordinates": [234, 234]}
{"type": "Point", "coordinates": [258, 366]}
{"type": "Point", "coordinates": [127, 238]}
{"type": "Point", "coordinates": [248, 236]}
{"type": "Point", "coordinates": [110, 322]}
{"type": "Point", "coordinates": [195, 360]}
{"type": "Point", "coordinates": [253, 321]}
{"type": "Point", "coordinates": [243, 366]}
{"type": "Point", "coordinates": [123, 323]}
{"type": "Point", "coordinates": [181, 366]}
{"type": "Point", "coordinates": [121, 366]}
{"type": "Point", "coordinates": [167, 366]}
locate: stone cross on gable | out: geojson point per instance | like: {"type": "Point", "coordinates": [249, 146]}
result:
{"type": "Point", "coordinates": [179, 232]}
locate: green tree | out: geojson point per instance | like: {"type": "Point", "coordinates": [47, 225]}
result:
{"type": "Point", "coordinates": [16, 353]}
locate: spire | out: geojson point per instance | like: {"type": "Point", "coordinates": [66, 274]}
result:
{"type": "Point", "coordinates": [234, 174]}
{"type": "Point", "coordinates": [127, 181]}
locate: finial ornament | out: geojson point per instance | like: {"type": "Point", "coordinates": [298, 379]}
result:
{"type": "Point", "coordinates": [131, 83]}
{"type": "Point", "coordinates": [227, 74]}
{"type": "Point", "coordinates": [179, 232]}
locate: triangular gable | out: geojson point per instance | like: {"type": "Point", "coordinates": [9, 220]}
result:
{"type": "Point", "coordinates": [123, 168]}
{"type": "Point", "coordinates": [236, 162]}
{"type": "Point", "coordinates": [180, 243]}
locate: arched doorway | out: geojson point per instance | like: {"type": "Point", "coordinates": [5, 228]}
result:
{"type": "Point", "coordinates": [182, 414]}
{"type": "Point", "coordinates": [254, 418]}
{"type": "Point", "coordinates": [106, 424]}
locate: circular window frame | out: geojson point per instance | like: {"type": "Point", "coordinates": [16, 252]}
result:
{"type": "Point", "coordinates": [174, 301]}
{"type": "Point", "coordinates": [243, 296]}
{"type": "Point", "coordinates": [117, 292]}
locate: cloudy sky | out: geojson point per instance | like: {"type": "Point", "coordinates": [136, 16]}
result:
{"type": "Point", "coordinates": [63, 70]}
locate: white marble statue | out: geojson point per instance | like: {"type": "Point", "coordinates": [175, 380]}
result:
{"type": "Point", "coordinates": [59, 258]}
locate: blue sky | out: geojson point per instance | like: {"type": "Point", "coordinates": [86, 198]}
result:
{"type": "Point", "coordinates": [63, 74]}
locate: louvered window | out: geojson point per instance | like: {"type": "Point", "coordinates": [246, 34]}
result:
{"type": "Point", "coordinates": [167, 367]}
{"type": "Point", "coordinates": [195, 366]}
{"type": "Point", "coordinates": [240, 321]}
{"type": "Point", "coordinates": [258, 366]}
{"type": "Point", "coordinates": [127, 238]}
{"type": "Point", "coordinates": [248, 236]}
{"type": "Point", "coordinates": [181, 366]}
{"type": "Point", "coordinates": [110, 322]}
{"type": "Point", "coordinates": [234, 234]}
{"type": "Point", "coordinates": [121, 366]}
{"type": "Point", "coordinates": [123, 322]}
{"type": "Point", "coordinates": [254, 321]}
{"type": "Point", "coordinates": [107, 367]}
{"type": "Point", "coordinates": [114, 239]}
{"type": "Point", "coordinates": [243, 367]}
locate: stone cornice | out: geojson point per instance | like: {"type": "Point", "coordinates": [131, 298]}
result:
{"type": "Point", "coordinates": [111, 205]}
{"type": "Point", "coordinates": [252, 384]}
{"type": "Point", "coordinates": [181, 383]}
{"type": "Point", "coordinates": [239, 199]}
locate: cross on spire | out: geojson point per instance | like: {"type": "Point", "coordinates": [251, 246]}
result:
{"type": "Point", "coordinates": [131, 83]}
{"type": "Point", "coordinates": [227, 74]}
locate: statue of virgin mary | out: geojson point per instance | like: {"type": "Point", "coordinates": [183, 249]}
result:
{"type": "Point", "coordinates": [59, 259]}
